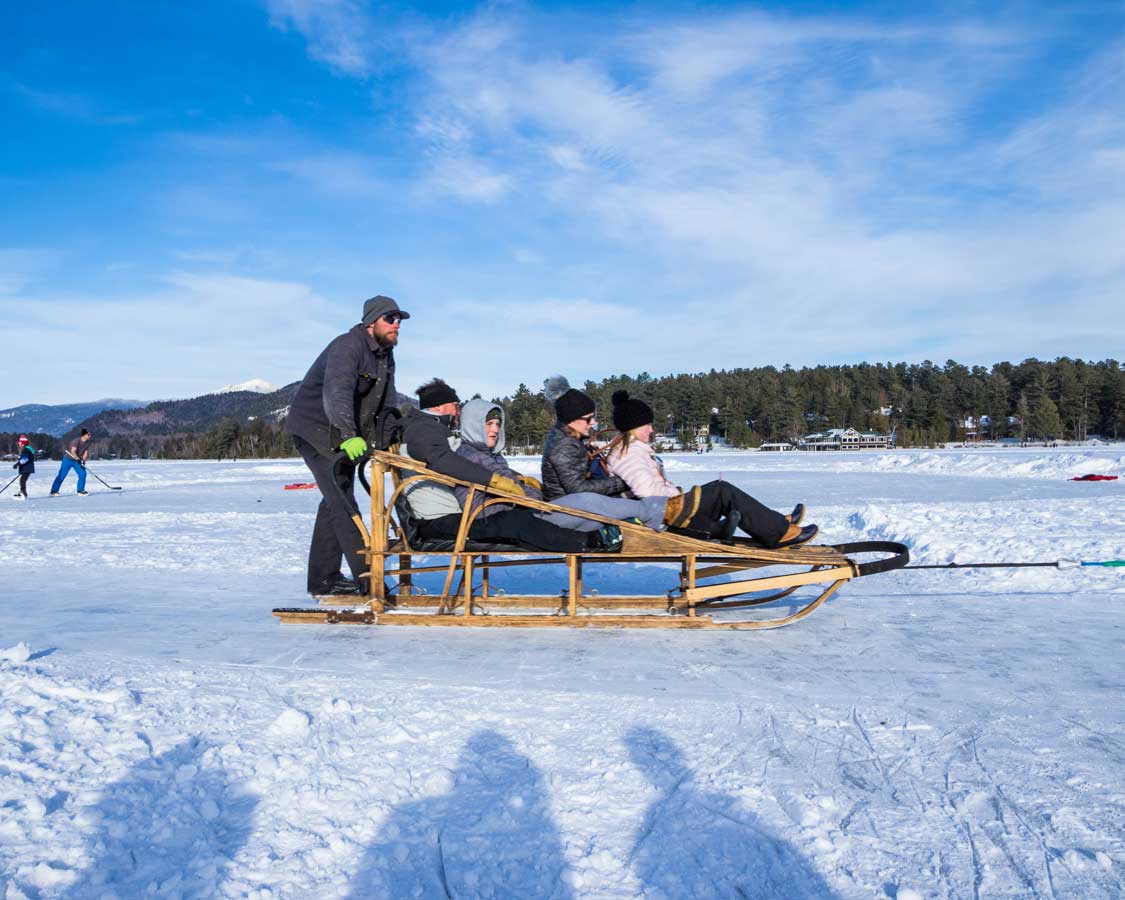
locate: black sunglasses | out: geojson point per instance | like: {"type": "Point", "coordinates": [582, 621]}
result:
{"type": "Point", "coordinates": [391, 318]}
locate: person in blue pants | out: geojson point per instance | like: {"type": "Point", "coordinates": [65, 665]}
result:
{"type": "Point", "coordinates": [74, 458]}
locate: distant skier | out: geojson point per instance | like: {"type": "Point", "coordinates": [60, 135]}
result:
{"type": "Point", "coordinates": [26, 465]}
{"type": "Point", "coordinates": [74, 458]}
{"type": "Point", "coordinates": [351, 381]}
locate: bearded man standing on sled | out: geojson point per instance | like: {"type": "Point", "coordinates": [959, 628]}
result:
{"type": "Point", "coordinates": [335, 407]}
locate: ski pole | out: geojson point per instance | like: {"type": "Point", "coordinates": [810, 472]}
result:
{"type": "Point", "coordinates": [1057, 564]}
{"type": "Point", "coordinates": [110, 486]}
{"type": "Point", "coordinates": [9, 484]}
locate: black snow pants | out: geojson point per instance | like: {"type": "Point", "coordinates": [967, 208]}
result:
{"type": "Point", "coordinates": [718, 498]}
{"type": "Point", "coordinates": [23, 483]}
{"type": "Point", "coordinates": [511, 526]}
{"type": "Point", "coordinates": [335, 533]}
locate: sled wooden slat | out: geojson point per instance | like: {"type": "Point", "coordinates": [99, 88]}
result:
{"type": "Point", "coordinates": [545, 621]}
{"type": "Point", "coordinates": [732, 588]}
{"type": "Point", "coordinates": [527, 601]}
{"type": "Point", "coordinates": [693, 601]}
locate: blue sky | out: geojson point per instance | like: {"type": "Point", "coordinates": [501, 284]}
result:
{"type": "Point", "coordinates": [197, 194]}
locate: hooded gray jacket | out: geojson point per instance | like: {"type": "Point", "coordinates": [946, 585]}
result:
{"type": "Point", "coordinates": [474, 447]}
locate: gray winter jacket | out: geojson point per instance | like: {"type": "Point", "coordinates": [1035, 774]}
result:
{"type": "Point", "coordinates": [342, 392]}
{"type": "Point", "coordinates": [474, 447]}
{"type": "Point", "coordinates": [566, 468]}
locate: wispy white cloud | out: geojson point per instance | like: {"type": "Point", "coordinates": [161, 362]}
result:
{"type": "Point", "coordinates": [1070, 152]}
{"type": "Point", "coordinates": [467, 178]}
{"type": "Point", "coordinates": [340, 33]}
{"type": "Point", "coordinates": [534, 313]}
{"type": "Point", "coordinates": [838, 168]}
{"type": "Point", "coordinates": [349, 174]}
{"type": "Point", "coordinates": [19, 266]}
{"type": "Point", "coordinates": [199, 330]}
{"type": "Point", "coordinates": [75, 106]}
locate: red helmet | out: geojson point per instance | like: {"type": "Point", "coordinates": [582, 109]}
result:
{"type": "Point", "coordinates": [23, 439]}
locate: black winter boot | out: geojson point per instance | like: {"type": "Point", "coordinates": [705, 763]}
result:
{"type": "Point", "coordinates": [607, 539]}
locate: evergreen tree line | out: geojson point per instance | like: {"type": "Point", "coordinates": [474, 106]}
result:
{"type": "Point", "coordinates": [923, 404]}
{"type": "Point", "coordinates": [257, 439]}
{"type": "Point", "coordinates": [230, 439]}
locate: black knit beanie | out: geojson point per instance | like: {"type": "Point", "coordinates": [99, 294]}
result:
{"type": "Point", "coordinates": [435, 393]}
{"type": "Point", "coordinates": [573, 405]}
{"type": "Point", "coordinates": [629, 412]}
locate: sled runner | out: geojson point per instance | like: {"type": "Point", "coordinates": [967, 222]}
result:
{"type": "Point", "coordinates": [700, 597]}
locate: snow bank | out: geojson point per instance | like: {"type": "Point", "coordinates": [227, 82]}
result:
{"type": "Point", "coordinates": [20, 653]}
{"type": "Point", "coordinates": [1036, 463]}
{"type": "Point", "coordinates": [990, 463]}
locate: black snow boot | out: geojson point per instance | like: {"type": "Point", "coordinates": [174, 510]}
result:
{"type": "Point", "coordinates": [607, 539]}
{"type": "Point", "coordinates": [728, 526]}
{"type": "Point", "coordinates": [341, 586]}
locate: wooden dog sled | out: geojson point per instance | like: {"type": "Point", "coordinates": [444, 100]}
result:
{"type": "Point", "coordinates": [699, 598]}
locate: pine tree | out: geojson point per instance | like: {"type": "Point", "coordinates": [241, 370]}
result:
{"type": "Point", "coordinates": [1023, 415]}
{"type": "Point", "coordinates": [1045, 422]}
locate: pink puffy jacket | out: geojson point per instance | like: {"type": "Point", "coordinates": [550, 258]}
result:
{"type": "Point", "coordinates": [639, 468]}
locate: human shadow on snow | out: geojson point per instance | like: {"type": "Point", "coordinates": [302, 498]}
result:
{"type": "Point", "coordinates": [696, 843]}
{"type": "Point", "coordinates": [170, 827]}
{"type": "Point", "coordinates": [491, 835]}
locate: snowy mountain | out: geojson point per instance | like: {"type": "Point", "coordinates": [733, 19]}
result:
{"type": "Point", "coordinates": [57, 420]}
{"type": "Point", "coordinates": [256, 385]}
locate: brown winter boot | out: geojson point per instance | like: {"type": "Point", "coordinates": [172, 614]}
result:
{"type": "Point", "coordinates": [795, 534]}
{"type": "Point", "coordinates": [682, 508]}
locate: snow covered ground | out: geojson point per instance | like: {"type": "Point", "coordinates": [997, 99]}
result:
{"type": "Point", "coordinates": [924, 734]}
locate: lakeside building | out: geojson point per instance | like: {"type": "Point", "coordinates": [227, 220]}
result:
{"type": "Point", "coordinates": [777, 446]}
{"type": "Point", "coordinates": [702, 439]}
{"type": "Point", "coordinates": [976, 429]}
{"type": "Point", "coordinates": [847, 439]}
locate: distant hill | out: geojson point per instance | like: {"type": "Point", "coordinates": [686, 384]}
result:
{"type": "Point", "coordinates": [57, 420]}
{"type": "Point", "coordinates": [169, 418]}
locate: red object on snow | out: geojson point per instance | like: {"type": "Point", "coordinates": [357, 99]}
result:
{"type": "Point", "coordinates": [1094, 478]}
{"type": "Point", "coordinates": [300, 486]}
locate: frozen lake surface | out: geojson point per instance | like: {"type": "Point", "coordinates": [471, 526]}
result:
{"type": "Point", "coordinates": [924, 734]}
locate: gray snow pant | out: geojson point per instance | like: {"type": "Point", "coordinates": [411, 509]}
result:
{"type": "Point", "coordinates": [650, 510]}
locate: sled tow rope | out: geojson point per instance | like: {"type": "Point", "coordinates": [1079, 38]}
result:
{"type": "Point", "coordinates": [1057, 564]}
